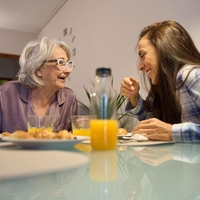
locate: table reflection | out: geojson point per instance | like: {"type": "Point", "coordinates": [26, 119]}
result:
{"type": "Point", "coordinates": [163, 172]}
{"type": "Point", "coordinates": [103, 165]}
{"type": "Point", "coordinates": [147, 172]}
{"type": "Point", "coordinates": [37, 188]}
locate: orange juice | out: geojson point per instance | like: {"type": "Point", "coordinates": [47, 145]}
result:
{"type": "Point", "coordinates": [40, 129]}
{"type": "Point", "coordinates": [81, 131]}
{"type": "Point", "coordinates": [103, 134]}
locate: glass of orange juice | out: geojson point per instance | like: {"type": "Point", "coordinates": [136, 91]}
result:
{"type": "Point", "coordinates": [81, 124]}
{"type": "Point", "coordinates": [103, 134]}
{"type": "Point", "coordinates": [39, 123]}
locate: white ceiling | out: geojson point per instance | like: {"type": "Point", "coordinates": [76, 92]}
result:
{"type": "Point", "coordinates": [32, 15]}
{"type": "Point", "coordinates": [27, 15]}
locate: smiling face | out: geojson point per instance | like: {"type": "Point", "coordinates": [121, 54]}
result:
{"type": "Point", "coordinates": [53, 77]}
{"type": "Point", "coordinates": [148, 59]}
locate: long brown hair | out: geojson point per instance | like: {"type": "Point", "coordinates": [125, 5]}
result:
{"type": "Point", "coordinates": [175, 49]}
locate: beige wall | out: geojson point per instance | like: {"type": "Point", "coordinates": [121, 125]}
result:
{"type": "Point", "coordinates": [106, 33]}
{"type": "Point", "coordinates": [13, 42]}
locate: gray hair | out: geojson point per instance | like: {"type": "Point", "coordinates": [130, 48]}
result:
{"type": "Point", "coordinates": [33, 57]}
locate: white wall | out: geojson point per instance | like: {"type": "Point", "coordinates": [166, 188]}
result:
{"type": "Point", "coordinates": [106, 33]}
{"type": "Point", "coordinates": [13, 42]}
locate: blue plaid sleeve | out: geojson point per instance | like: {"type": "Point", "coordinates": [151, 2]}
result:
{"type": "Point", "coordinates": [186, 132]}
{"type": "Point", "coordinates": [139, 112]}
{"type": "Point", "coordinates": [189, 94]}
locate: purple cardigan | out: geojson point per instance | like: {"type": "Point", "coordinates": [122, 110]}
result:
{"type": "Point", "coordinates": [15, 105]}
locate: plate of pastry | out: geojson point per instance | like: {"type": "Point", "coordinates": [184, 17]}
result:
{"type": "Point", "coordinates": [44, 140]}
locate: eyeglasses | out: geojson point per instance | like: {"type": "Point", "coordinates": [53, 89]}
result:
{"type": "Point", "coordinates": [61, 63]}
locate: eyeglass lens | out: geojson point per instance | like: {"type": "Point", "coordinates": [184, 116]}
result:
{"type": "Point", "coordinates": [63, 64]}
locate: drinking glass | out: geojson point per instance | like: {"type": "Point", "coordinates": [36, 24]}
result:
{"type": "Point", "coordinates": [81, 124]}
{"type": "Point", "coordinates": [38, 123]}
{"type": "Point", "coordinates": [103, 134]}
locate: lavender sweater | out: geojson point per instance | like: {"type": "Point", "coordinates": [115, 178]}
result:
{"type": "Point", "coordinates": [15, 105]}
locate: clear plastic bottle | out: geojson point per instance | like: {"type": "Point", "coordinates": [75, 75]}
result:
{"type": "Point", "coordinates": [104, 97]}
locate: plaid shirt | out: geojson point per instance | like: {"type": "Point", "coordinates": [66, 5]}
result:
{"type": "Point", "coordinates": [189, 95]}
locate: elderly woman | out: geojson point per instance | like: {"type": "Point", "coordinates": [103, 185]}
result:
{"type": "Point", "coordinates": [40, 89]}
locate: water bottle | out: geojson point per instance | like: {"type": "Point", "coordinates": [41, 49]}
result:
{"type": "Point", "coordinates": [104, 97]}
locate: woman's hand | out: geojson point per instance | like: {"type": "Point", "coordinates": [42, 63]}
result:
{"type": "Point", "coordinates": [154, 129]}
{"type": "Point", "coordinates": [130, 88]}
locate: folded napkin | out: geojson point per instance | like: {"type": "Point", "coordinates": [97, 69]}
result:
{"type": "Point", "coordinates": [139, 137]}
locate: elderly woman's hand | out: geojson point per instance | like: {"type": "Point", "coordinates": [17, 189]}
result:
{"type": "Point", "coordinates": [154, 129]}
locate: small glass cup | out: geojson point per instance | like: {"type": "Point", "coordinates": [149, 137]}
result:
{"type": "Point", "coordinates": [38, 123]}
{"type": "Point", "coordinates": [103, 134]}
{"type": "Point", "coordinates": [81, 124]}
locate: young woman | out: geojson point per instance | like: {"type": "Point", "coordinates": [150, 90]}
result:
{"type": "Point", "coordinates": [170, 62]}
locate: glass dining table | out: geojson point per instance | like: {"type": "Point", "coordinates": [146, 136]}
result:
{"type": "Point", "coordinates": [158, 172]}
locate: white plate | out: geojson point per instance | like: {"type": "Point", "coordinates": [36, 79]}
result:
{"type": "Point", "coordinates": [137, 143]}
{"type": "Point", "coordinates": [143, 143]}
{"type": "Point", "coordinates": [45, 143]}
{"type": "Point", "coordinates": [127, 135]}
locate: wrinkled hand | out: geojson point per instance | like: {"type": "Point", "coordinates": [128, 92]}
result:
{"type": "Point", "coordinates": [129, 87]}
{"type": "Point", "coordinates": [155, 129]}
